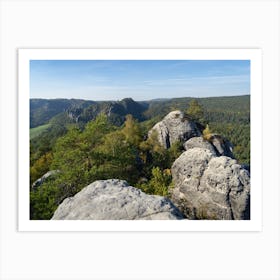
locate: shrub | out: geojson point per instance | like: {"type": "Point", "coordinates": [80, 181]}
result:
{"type": "Point", "coordinates": [207, 133]}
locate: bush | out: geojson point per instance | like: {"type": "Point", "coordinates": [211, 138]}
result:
{"type": "Point", "coordinates": [159, 183]}
{"type": "Point", "coordinates": [207, 133]}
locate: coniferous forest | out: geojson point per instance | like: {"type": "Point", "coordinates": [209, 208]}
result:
{"type": "Point", "coordinates": [81, 141]}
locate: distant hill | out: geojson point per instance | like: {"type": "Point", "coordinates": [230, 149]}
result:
{"type": "Point", "coordinates": [229, 116]}
{"type": "Point", "coordinates": [82, 111]}
{"type": "Point", "coordinates": [115, 110]}
{"type": "Point", "coordinates": [42, 110]}
{"type": "Point", "coordinates": [228, 104]}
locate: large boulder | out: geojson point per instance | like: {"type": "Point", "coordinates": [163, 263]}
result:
{"type": "Point", "coordinates": [217, 145]}
{"type": "Point", "coordinates": [176, 126]}
{"type": "Point", "coordinates": [210, 187]}
{"type": "Point", "coordinates": [115, 200]}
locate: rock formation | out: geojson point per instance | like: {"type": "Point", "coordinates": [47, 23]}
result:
{"type": "Point", "coordinates": [176, 126]}
{"type": "Point", "coordinates": [210, 187]}
{"type": "Point", "coordinates": [217, 145]}
{"type": "Point", "coordinates": [223, 146]}
{"type": "Point", "coordinates": [199, 142]}
{"type": "Point", "coordinates": [115, 200]}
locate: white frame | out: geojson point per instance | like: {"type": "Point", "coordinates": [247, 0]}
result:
{"type": "Point", "coordinates": [25, 55]}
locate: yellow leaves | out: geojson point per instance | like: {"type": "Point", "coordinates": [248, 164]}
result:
{"type": "Point", "coordinates": [167, 172]}
{"type": "Point", "coordinates": [41, 166]}
{"type": "Point", "coordinates": [207, 133]}
{"type": "Point", "coordinates": [132, 131]}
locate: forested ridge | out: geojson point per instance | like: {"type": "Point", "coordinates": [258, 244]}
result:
{"type": "Point", "coordinates": [87, 141]}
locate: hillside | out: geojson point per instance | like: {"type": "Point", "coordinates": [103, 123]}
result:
{"type": "Point", "coordinates": [38, 130]}
{"type": "Point", "coordinates": [229, 116]}
{"type": "Point", "coordinates": [233, 108]}
{"type": "Point", "coordinates": [42, 110]}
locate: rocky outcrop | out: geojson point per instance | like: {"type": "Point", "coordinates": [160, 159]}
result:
{"type": "Point", "coordinates": [47, 176]}
{"type": "Point", "coordinates": [210, 187]}
{"type": "Point", "coordinates": [176, 126]}
{"type": "Point", "coordinates": [223, 146]}
{"type": "Point", "coordinates": [216, 144]}
{"type": "Point", "coordinates": [115, 200]}
{"type": "Point", "coordinates": [199, 142]}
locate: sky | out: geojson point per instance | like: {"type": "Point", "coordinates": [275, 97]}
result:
{"type": "Point", "coordinates": [138, 79]}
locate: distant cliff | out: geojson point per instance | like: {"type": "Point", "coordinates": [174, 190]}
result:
{"type": "Point", "coordinates": [43, 110]}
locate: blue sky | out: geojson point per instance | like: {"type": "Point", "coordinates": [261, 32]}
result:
{"type": "Point", "coordinates": [139, 79]}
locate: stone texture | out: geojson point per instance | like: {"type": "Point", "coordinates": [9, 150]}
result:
{"type": "Point", "coordinates": [210, 187]}
{"type": "Point", "coordinates": [199, 142]}
{"type": "Point", "coordinates": [223, 146]}
{"type": "Point", "coordinates": [217, 145]}
{"type": "Point", "coordinates": [175, 127]}
{"type": "Point", "coordinates": [115, 200]}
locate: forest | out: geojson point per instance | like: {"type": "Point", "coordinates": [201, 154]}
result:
{"type": "Point", "coordinates": [85, 141]}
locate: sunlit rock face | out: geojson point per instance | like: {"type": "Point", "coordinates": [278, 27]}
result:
{"type": "Point", "coordinates": [210, 187]}
{"type": "Point", "coordinates": [115, 200]}
{"type": "Point", "coordinates": [175, 127]}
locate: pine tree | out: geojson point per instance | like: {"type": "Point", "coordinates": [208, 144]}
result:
{"type": "Point", "coordinates": [195, 110]}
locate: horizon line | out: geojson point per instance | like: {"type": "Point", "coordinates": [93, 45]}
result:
{"type": "Point", "coordinates": [156, 98]}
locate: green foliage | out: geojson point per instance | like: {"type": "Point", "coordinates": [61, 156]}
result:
{"type": "Point", "coordinates": [40, 167]}
{"type": "Point", "coordinates": [152, 144]}
{"type": "Point", "coordinates": [159, 183]}
{"type": "Point", "coordinates": [36, 131]}
{"type": "Point", "coordinates": [153, 154]}
{"type": "Point", "coordinates": [174, 152]}
{"type": "Point", "coordinates": [195, 110]}
{"type": "Point", "coordinates": [239, 135]}
{"type": "Point", "coordinates": [118, 158]}
{"type": "Point", "coordinates": [132, 131]}
{"type": "Point", "coordinates": [44, 201]}
{"type": "Point", "coordinates": [77, 155]}
{"type": "Point", "coordinates": [43, 110]}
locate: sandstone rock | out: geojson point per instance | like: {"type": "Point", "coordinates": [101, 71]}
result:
{"type": "Point", "coordinates": [115, 200]}
{"type": "Point", "coordinates": [199, 142]}
{"type": "Point", "coordinates": [222, 145]}
{"type": "Point", "coordinates": [175, 127]}
{"type": "Point", "coordinates": [210, 187]}
{"type": "Point", "coordinates": [50, 174]}
{"type": "Point", "coordinates": [217, 145]}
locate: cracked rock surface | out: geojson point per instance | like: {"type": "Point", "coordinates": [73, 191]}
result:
{"type": "Point", "coordinates": [210, 187]}
{"type": "Point", "coordinates": [115, 200]}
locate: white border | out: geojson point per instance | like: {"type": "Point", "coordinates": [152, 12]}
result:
{"type": "Point", "coordinates": [254, 55]}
